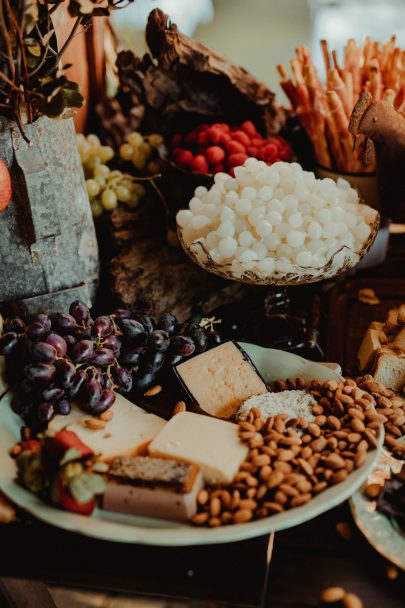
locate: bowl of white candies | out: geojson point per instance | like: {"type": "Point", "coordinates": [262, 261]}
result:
{"type": "Point", "coordinates": [276, 225]}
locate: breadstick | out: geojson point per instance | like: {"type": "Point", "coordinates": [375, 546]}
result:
{"type": "Point", "coordinates": [325, 52]}
{"type": "Point", "coordinates": [335, 83]}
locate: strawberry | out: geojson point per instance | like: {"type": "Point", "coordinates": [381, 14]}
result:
{"type": "Point", "coordinates": [214, 155]}
{"type": "Point", "coordinates": [5, 186]}
{"type": "Point", "coordinates": [57, 445]}
{"type": "Point", "coordinates": [68, 503]}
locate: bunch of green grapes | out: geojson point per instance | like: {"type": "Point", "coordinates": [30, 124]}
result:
{"type": "Point", "coordinates": [141, 151]}
{"type": "Point", "coordinates": [106, 187]}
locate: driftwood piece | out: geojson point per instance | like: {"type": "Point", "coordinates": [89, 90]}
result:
{"type": "Point", "coordinates": [380, 123]}
{"type": "Point", "coordinates": [153, 277]}
{"type": "Point", "coordinates": [188, 83]}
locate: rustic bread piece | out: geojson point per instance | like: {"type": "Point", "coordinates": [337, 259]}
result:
{"type": "Point", "coordinates": [391, 322]}
{"type": "Point", "coordinates": [390, 369]}
{"type": "Point", "coordinates": [368, 349]}
{"type": "Point", "coordinates": [377, 325]}
{"type": "Point", "coordinates": [401, 314]}
{"type": "Point", "coordinates": [399, 340]}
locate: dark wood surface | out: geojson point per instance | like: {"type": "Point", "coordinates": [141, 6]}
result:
{"type": "Point", "coordinates": [305, 559]}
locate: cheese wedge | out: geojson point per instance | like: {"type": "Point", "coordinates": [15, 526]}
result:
{"type": "Point", "coordinates": [212, 444]}
{"type": "Point", "coordinates": [368, 349]}
{"type": "Point", "coordinates": [128, 433]}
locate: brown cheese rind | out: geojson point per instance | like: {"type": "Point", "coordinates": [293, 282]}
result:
{"type": "Point", "coordinates": [152, 472]}
{"type": "Point", "coordinates": [192, 399]}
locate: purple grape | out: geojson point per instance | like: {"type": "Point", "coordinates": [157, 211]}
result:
{"type": "Point", "coordinates": [35, 331]}
{"type": "Point", "coordinates": [8, 342]}
{"type": "Point", "coordinates": [45, 412]}
{"type": "Point", "coordinates": [66, 373]}
{"type": "Point", "coordinates": [114, 343]}
{"type": "Point", "coordinates": [76, 383]}
{"type": "Point", "coordinates": [52, 393]}
{"type": "Point", "coordinates": [142, 383]}
{"type": "Point", "coordinates": [63, 324]}
{"type": "Point", "coordinates": [132, 330]}
{"type": "Point", "coordinates": [103, 326]}
{"type": "Point", "coordinates": [70, 340]}
{"type": "Point", "coordinates": [197, 334]}
{"type": "Point", "coordinates": [79, 311]}
{"type": "Point", "coordinates": [182, 345]}
{"type": "Point", "coordinates": [214, 338]}
{"type": "Point", "coordinates": [106, 400]}
{"type": "Point", "coordinates": [43, 320]}
{"type": "Point", "coordinates": [42, 352]}
{"type": "Point", "coordinates": [63, 407]}
{"type": "Point", "coordinates": [26, 386]}
{"type": "Point", "coordinates": [82, 351]}
{"type": "Point", "coordinates": [122, 313]}
{"type": "Point", "coordinates": [123, 378]}
{"type": "Point", "coordinates": [91, 393]}
{"type": "Point", "coordinates": [130, 358]}
{"type": "Point", "coordinates": [172, 359]}
{"type": "Point", "coordinates": [146, 322]}
{"type": "Point", "coordinates": [152, 361]}
{"type": "Point", "coordinates": [84, 333]}
{"type": "Point", "coordinates": [41, 372]}
{"type": "Point", "coordinates": [105, 381]}
{"type": "Point", "coordinates": [15, 324]}
{"type": "Point", "coordinates": [57, 342]}
{"type": "Point", "coordinates": [168, 323]}
{"type": "Point", "coordinates": [159, 341]}
{"type": "Point", "coordinates": [103, 357]}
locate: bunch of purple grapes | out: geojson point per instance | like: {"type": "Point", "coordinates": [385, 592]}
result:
{"type": "Point", "coordinates": [71, 357]}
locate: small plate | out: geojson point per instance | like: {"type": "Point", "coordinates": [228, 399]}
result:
{"type": "Point", "coordinates": [272, 365]}
{"type": "Point", "coordinates": [380, 531]}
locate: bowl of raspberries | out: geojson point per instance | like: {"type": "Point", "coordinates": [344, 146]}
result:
{"type": "Point", "coordinates": [221, 147]}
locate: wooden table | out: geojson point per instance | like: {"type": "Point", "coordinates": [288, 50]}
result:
{"type": "Point", "coordinates": [304, 560]}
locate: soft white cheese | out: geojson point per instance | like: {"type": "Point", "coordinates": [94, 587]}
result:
{"type": "Point", "coordinates": [212, 444]}
{"type": "Point", "coordinates": [128, 433]}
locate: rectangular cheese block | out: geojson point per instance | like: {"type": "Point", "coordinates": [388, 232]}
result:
{"type": "Point", "coordinates": [368, 349]}
{"type": "Point", "coordinates": [212, 444]}
{"type": "Point", "coordinates": [220, 379]}
{"type": "Point", "coordinates": [128, 433]}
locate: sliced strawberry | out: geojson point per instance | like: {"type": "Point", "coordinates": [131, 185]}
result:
{"type": "Point", "coordinates": [68, 503]}
{"type": "Point", "coordinates": [57, 445]}
{"type": "Point", "coordinates": [5, 186]}
{"type": "Point", "coordinates": [31, 445]}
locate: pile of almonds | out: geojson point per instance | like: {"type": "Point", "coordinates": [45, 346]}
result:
{"type": "Point", "coordinates": [292, 460]}
{"type": "Point", "coordinates": [391, 409]}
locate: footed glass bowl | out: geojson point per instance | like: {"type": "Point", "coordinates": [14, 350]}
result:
{"type": "Point", "coordinates": [342, 260]}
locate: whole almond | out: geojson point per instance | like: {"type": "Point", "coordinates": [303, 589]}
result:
{"type": "Point", "coordinates": [95, 424]}
{"type": "Point", "coordinates": [288, 489]}
{"type": "Point", "coordinates": [305, 466]}
{"type": "Point", "coordinates": [354, 437]}
{"type": "Point", "coordinates": [226, 517]}
{"type": "Point", "coordinates": [247, 503]}
{"type": "Point", "coordinates": [280, 497]}
{"type": "Point", "coordinates": [275, 479]}
{"type": "Point", "coordinates": [304, 486]}
{"type": "Point", "coordinates": [179, 407]}
{"type": "Point", "coordinates": [106, 416]}
{"type": "Point", "coordinates": [246, 426]}
{"type": "Point", "coordinates": [261, 492]}
{"type": "Point", "coordinates": [226, 499]}
{"type": "Point", "coordinates": [306, 452]}
{"type": "Point", "coordinates": [300, 500]}
{"type": "Point", "coordinates": [371, 438]}
{"type": "Point", "coordinates": [360, 458]}
{"type": "Point", "coordinates": [203, 497]}
{"type": "Point", "coordinates": [332, 595]}
{"type": "Point", "coordinates": [335, 461]}
{"type": "Point", "coordinates": [350, 600]}
{"type": "Point", "coordinates": [372, 490]}
{"type": "Point", "coordinates": [285, 455]}
{"type": "Point", "coordinates": [200, 518]}
{"type": "Point", "coordinates": [242, 515]}
{"type": "Point", "coordinates": [332, 385]}
{"type": "Point", "coordinates": [265, 472]}
{"type": "Point", "coordinates": [356, 413]}
{"type": "Point", "coordinates": [318, 445]}
{"type": "Point", "coordinates": [339, 476]}
{"type": "Point", "coordinates": [334, 423]}
{"type": "Point", "coordinates": [215, 506]}
{"type": "Point", "coordinates": [154, 390]}
{"type": "Point", "coordinates": [274, 507]}
{"type": "Point", "coordinates": [344, 530]}
{"type": "Point", "coordinates": [261, 460]}
{"type": "Point", "coordinates": [214, 522]}
{"type": "Point", "coordinates": [314, 429]}
{"type": "Point", "coordinates": [357, 425]}
{"type": "Point", "coordinates": [319, 487]}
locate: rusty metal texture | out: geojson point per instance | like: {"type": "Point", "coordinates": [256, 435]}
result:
{"type": "Point", "coordinates": [48, 245]}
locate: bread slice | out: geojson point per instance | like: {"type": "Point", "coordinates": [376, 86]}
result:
{"type": "Point", "coordinates": [391, 322]}
{"type": "Point", "coordinates": [401, 314]}
{"type": "Point", "coordinates": [368, 348]}
{"type": "Point", "coordinates": [390, 370]}
{"type": "Point", "coordinates": [399, 340]}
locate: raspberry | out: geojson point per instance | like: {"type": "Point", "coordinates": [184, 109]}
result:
{"type": "Point", "coordinates": [234, 147]}
{"type": "Point", "coordinates": [249, 128]}
{"type": "Point", "coordinates": [214, 134]}
{"type": "Point", "coordinates": [258, 142]}
{"type": "Point", "coordinates": [270, 148]}
{"type": "Point", "coordinates": [241, 137]}
{"type": "Point", "coordinates": [202, 138]}
{"type": "Point", "coordinates": [214, 155]}
{"type": "Point", "coordinates": [202, 127]}
{"type": "Point", "coordinates": [237, 159]}
{"type": "Point", "coordinates": [184, 158]}
{"type": "Point", "coordinates": [177, 140]}
{"type": "Point", "coordinates": [225, 137]}
{"type": "Point", "coordinates": [252, 151]}
{"type": "Point", "coordinates": [199, 164]}
{"type": "Point", "coordinates": [218, 168]}
{"type": "Point", "coordinates": [191, 138]}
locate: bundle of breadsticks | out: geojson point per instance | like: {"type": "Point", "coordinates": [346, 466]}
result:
{"type": "Point", "coordinates": [324, 109]}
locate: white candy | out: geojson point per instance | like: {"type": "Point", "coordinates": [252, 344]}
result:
{"type": "Point", "coordinates": [276, 219]}
{"type": "Point", "coordinates": [227, 246]}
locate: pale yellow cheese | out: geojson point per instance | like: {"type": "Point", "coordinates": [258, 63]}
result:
{"type": "Point", "coordinates": [368, 349]}
{"type": "Point", "coordinates": [128, 433]}
{"type": "Point", "coordinates": [212, 444]}
{"type": "Point", "coordinates": [221, 379]}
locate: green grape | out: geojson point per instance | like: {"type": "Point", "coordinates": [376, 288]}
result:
{"type": "Point", "coordinates": [133, 201]}
{"type": "Point", "coordinates": [123, 194]}
{"type": "Point", "coordinates": [114, 174]}
{"type": "Point", "coordinates": [138, 189]}
{"type": "Point", "coordinates": [93, 140]}
{"type": "Point", "coordinates": [106, 153]}
{"type": "Point", "coordinates": [126, 151]}
{"type": "Point", "coordinates": [101, 171]}
{"type": "Point", "coordinates": [84, 150]}
{"type": "Point", "coordinates": [135, 139]}
{"type": "Point", "coordinates": [100, 180]}
{"type": "Point", "coordinates": [92, 163]}
{"type": "Point", "coordinates": [155, 140]}
{"type": "Point", "coordinates": [153, 167]}
{"type": "Point", "coordinates": [80, 138]}
{"type": "Point", "coordinates": [139, 159]}
{"type": "Point", "coordinates": [93, 188]}
{"type": "Point", "coordinates": [96, 207]}
{"type": "Point", "coordinates": [146, 149]}
{"type": "Point", "coordinates": [109, 200]}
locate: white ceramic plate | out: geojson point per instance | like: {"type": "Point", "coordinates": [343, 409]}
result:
{"type": "Point", "coordinates": [380, 531]}
{"type": "Point", "coordinates": [272, 364]}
